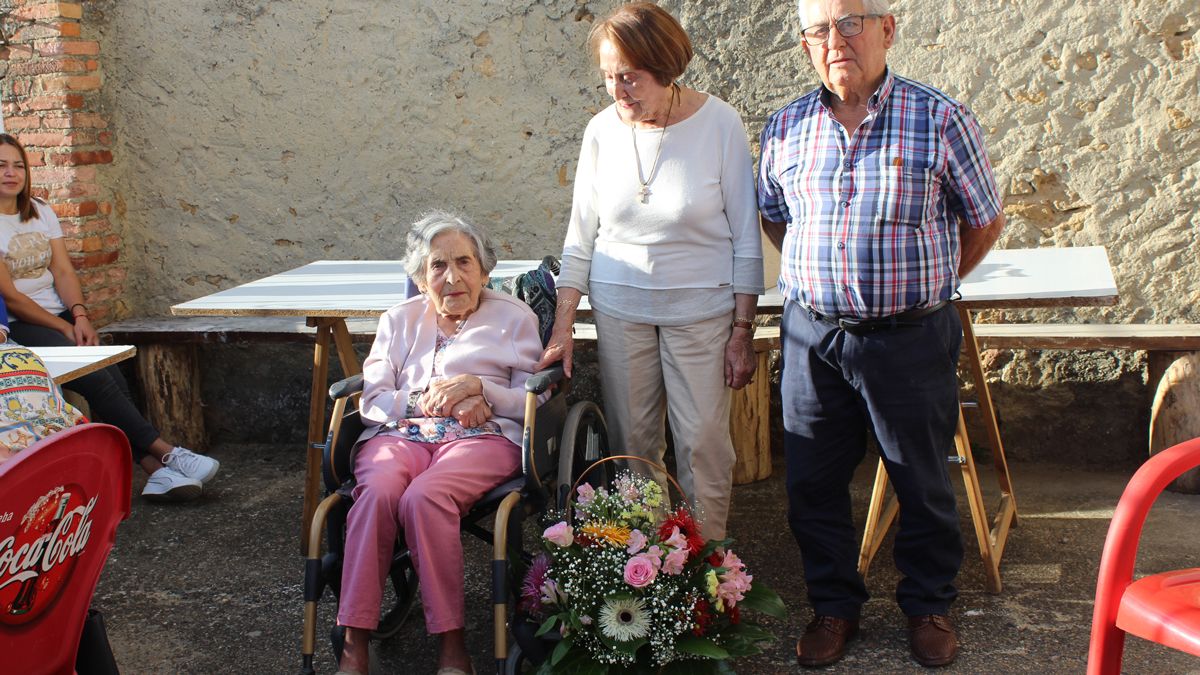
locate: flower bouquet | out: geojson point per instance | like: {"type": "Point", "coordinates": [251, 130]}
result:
{"type": "Point", "coordinates": [631, 587]}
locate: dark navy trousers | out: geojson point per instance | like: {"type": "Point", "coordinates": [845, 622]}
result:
{"type": "Point", "coordinates": [901, 384]}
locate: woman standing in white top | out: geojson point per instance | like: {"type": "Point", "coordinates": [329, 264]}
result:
{"type": "Point", "coordinates": [664, 239]}
{"type": "Point", "coordinates": [45, 304]}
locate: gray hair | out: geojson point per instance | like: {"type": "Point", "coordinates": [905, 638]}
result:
{"type": "Point", "coordinates": [422, 233]}
{"type": "Point", "coordinates": [869, 7]}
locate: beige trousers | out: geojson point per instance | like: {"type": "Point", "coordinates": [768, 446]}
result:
{"type": "Point", "coordinates": [648, 372]}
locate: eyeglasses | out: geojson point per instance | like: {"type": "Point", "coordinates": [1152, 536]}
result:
{"type": "Point", "coordinates": [848, 26]}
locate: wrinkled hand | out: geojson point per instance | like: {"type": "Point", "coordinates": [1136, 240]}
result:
{"type": "Point", "coordinates": [443, 394]}
{"type": "Point", "coordinates": [561, 347]}
{"type": "Point", "coordinates": [739, 359]}
{"type": "Point", "coordinates": [83, 334]}
{"type": "Point", "coordinates": [472, 411]}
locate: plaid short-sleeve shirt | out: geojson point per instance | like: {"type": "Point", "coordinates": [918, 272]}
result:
{"type": "Point", "coordinates": [872, 216]}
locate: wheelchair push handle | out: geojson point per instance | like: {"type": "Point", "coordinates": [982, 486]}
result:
{"type": "Point", "coordinates": [583, 474]}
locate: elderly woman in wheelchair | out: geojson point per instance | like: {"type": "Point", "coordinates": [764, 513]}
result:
{"type": "Point", "coordinates": [443, 398]}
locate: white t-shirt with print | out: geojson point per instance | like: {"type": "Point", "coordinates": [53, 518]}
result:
{"type": "Point", "coordinates": [26, 250]}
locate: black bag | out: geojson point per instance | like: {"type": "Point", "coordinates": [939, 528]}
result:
{"type": "Point", "coordinates": [95, 655]}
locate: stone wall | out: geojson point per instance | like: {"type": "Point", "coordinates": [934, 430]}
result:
{"type": "Point", "coordinates": [256, 135]}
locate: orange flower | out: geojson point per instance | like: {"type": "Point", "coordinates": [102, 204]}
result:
{"type": "Point", "coordinates": [606, 532]}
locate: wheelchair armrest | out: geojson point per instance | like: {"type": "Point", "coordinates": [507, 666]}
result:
{"type": "Point", "coordinates": [346, 387]}
{"type": "Point", "coordinates": [543, 379]}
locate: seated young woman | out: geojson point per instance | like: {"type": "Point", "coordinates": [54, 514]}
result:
{"type": "Point", "coordinates": [443, 387]}
{"type": "Point", "coordinates": [46, 309]}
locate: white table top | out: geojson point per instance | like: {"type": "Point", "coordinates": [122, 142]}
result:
{"type": "Point", "coordinates": [1026, 277]}
{"type": "Point", "coordinates": [67, 363]}
{"type": "Point", "coordinates": [325, 288]}
{"type": "Point", "coordinates": [1039, 277]}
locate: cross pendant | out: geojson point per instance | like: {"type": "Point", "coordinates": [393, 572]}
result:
{"type": "Point", "coordinates": [644, 193]}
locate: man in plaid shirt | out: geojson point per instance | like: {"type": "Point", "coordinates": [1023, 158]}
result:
{"type": "Point", "coordinates": [879, 194]}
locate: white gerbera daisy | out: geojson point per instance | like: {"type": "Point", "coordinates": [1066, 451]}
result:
{"type": "Point", "coordinates": [624, 619]}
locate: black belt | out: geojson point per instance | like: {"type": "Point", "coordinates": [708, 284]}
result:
{"type": "Point", "coordinates": [862, 326]}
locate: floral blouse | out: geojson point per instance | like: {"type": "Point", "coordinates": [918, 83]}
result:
{"type": "Point", "coordinates": [436, 429]}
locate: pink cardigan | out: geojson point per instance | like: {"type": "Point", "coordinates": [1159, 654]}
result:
{"type": "Point", "coordinates": [499, 343]}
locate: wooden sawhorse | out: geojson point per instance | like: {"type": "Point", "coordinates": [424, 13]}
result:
{"type": "Point", "coordinates": [993, 538]}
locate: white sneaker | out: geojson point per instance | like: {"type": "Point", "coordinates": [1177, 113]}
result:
{"type": "Point", "coordinates": [168, 485]}
{"type": "Point", "coordinates": [188, 463]}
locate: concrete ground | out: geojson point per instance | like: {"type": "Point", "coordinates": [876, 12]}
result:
{"type": "Point", "coordinates": [215, 586]}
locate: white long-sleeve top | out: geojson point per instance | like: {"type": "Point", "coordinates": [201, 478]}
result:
{"type": "Point", "coordinates": [680, 257]}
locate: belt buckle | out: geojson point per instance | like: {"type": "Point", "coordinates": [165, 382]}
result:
{"type": "Point", "coordinates": [852, 325]}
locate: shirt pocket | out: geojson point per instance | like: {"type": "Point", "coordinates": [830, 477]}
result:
{"type": "Point", "coordinates": [906, 195]}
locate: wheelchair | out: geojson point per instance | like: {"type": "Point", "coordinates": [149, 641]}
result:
{"type": "Point", "coordinates": [559, 442]}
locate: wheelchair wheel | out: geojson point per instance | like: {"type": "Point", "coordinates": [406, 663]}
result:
{"type": "Point", "coordinates": [516, 664]}
{"type": "Point", "coordinates": [584, 440]}
{"type": "Point", "coordinates": [401, 597]}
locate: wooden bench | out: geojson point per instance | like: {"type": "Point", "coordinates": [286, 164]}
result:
{"type": "Point", "coordinates": [1174, 369]}
{"type": "Point", "coordinates": [750, 410]}
{"type": "Point", "coordinates": [168, 366]}
{"type": "Point", "coordinates": [168, 372]}
{"type": "Point", "coordinates": [1157, 337]}
{"type": "Point", "coordinates": [1165, 342]}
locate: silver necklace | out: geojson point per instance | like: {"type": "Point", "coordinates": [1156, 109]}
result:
{"type": "Point", "coordinates": [644, 191]}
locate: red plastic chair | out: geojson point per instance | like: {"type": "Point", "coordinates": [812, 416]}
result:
{"type": "Point", "coordinates": [1163, 608]}
{"type": "Point", "coordinates": [61, 500]}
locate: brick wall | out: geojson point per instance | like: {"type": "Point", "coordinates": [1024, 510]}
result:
{"type": "Point", "coordinates": [50, 93]}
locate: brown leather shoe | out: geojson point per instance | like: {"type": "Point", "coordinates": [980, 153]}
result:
{"type": "Point", "coordinates": [824, 641]}
{"type": "Point", "coordinates": [932, 639]}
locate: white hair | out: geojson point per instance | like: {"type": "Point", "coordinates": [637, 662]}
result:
{"type": "Point", "coordinates": [869, 7]}
{"type": "Point", "coordinates": [420, 240]}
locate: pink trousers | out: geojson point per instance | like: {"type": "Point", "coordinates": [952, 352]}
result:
{"type": "Point", "coordinates": [425, 489]}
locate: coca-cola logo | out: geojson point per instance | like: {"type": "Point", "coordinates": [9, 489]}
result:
{"type": "Point", "coordinates": [38, 553]}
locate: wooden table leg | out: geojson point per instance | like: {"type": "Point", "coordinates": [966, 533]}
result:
{"type": "Point", "coordinates": [987, 411]}
{"type": "Point", "coordinates": [316, 427]}
{"type": "Point", "coordinates": [328, 330]}
{"type": "Point", "coordinates": [879, 519]}
{"type": "Point", "coordinates": [345, 349]}
{"type": "Point", "coordinates": [991, 561]}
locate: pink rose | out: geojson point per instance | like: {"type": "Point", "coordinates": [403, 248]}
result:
{"type": "Point", "coordinates": [675, 560]}
{"type": "Point", "coordinates": [560, 533]}
{"type": "Point", "coordinates": [637, 542]}
{"type": "Point", "coordinates": [640, 571]}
